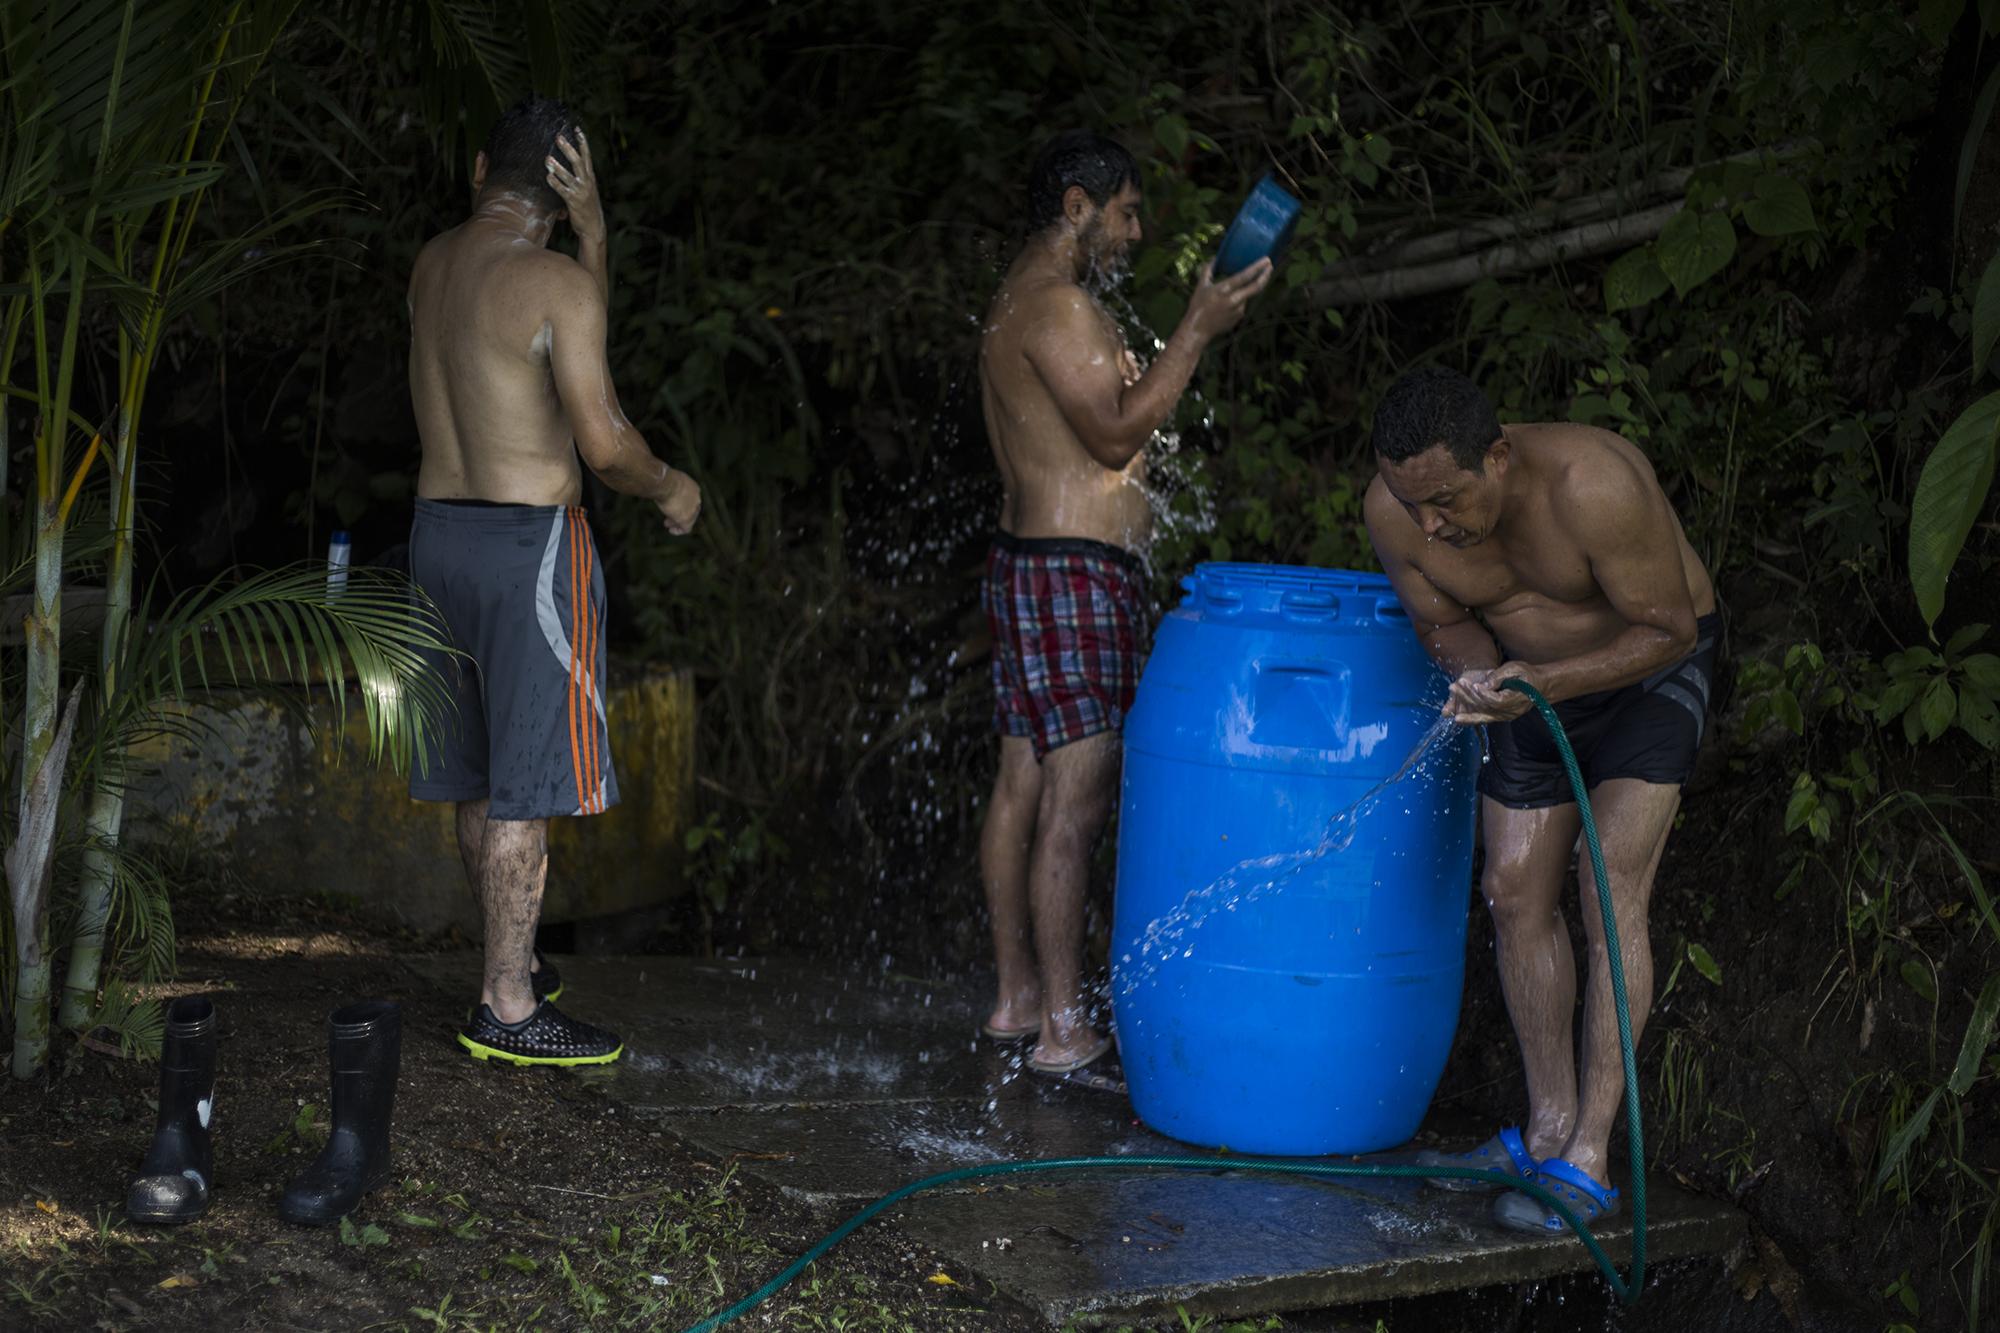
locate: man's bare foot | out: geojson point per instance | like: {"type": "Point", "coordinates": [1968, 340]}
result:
{"type": "Point", "coordinates": [1014, 1019]}
{"type": "Point", "coordinates": [1068, 1041]}
{"type": "Point", "coordinates": [1084, 1046]}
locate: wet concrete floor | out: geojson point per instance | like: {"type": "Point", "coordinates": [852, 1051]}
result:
{"type": "Point", "coordinates": [839, 1088]}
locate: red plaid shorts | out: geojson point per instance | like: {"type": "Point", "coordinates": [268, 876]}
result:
{"type": "Point", "coordinates": [1066, 616]}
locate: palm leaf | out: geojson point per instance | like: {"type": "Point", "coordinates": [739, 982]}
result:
{"type": "Point", "coordinates": [283, 628]}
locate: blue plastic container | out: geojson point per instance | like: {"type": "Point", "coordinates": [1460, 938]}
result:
{"type": "Point", "coordinates": [1261, 227]}
{"type": "Point", "coordinates": [1314, 1018]}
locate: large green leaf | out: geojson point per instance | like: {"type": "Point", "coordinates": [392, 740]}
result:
{"type": "Point", "coordinates": [1694, 247]}
{"type": "Point", "coordinates": [1633, 279]}
{"type": "Point", "coordinates": [1950, 495]}
{"type": "Point", "coordinates": [1986, 316]}
{"type": "Point", "coordinates": [1978, 1036]}
{"type": "Point", "coordinates": [1779, 207]}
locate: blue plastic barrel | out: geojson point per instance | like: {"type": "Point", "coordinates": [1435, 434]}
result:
{"type": "Point", "coordinates": [1315, 1014]}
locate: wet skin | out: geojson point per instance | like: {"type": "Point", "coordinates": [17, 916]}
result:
{"type": "Point", "coordinates": [1561, 562]}
{"type": "Point", "coordinates": [1069, 411]}
{"type": "Point", "coordinates": [510, 384]}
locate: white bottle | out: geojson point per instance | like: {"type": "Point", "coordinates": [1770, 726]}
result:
{"type": "Point", "coordinates": [339, 551]}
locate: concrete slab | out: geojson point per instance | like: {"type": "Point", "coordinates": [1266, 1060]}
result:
{"type": "Point", "coordinates": [855, 1154]}
{"type": "Point", "coordinates": [839, 1087]}
{"type": "Point", "coordinates": [709, 1035]}
{"type": "Point", "coordinates": [1110, 1248]}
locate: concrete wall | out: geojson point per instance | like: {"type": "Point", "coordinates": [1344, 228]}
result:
{"type": "Point", "coordinates": [303, 810]}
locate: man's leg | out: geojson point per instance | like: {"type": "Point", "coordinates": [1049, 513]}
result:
{"type": "Point", "coordinates": [1078, 782]}
{"type": "Point", "coordinates": [471, 851]}
{"type": "Point", "coordinates": [1005, 843]}
{"type": "Point", "coordinates": [1527, 861]}
{"type": "Point", "coordinates": [514, 863]}
{"type": "Point", "coordinates": [471, 841]}
{"type": "Point", "coordinates": [1633, 819]}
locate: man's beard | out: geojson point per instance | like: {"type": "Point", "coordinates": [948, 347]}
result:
{"type": "Point", "coordinates": [1104, 267]}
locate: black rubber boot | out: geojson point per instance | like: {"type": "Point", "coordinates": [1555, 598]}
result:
{"type": "Point", "coordinates": [172, 1185]}
{"type": "Point", "coordinates": [364, 1047]}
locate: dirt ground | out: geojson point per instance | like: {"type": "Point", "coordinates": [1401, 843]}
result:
{"type": "Point", "coordinates": [522, 1198]}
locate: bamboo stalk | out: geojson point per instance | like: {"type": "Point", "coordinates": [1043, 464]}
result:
{"type": "Point", "coordinates": [105, 820]}
{"type": "Point", "coordinates": [1500, 261]}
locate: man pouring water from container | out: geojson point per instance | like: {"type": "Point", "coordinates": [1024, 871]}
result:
{"type": "Point", "coordinates": [1068, 414]}
{"type": "Point", "coordinates": [1548, 553]}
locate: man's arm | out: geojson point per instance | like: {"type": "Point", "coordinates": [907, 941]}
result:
{"type": "Point", "coordinates": [574, 177]}
{"type": "Point", "coordinates": [611, 446]}
{"type": "Point", "coordinates": [1449, 631]}
{"type": "Point", "coordinates": [1628, 535]}
{"type": "Point", "coordinates": [1113, 419]}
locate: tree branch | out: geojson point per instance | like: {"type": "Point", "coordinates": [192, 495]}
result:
{"type": "Point", "coordinates": [1352, 285]}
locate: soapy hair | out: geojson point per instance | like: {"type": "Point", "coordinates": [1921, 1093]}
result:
{"type": "Point", "coordinates": [519, 144]}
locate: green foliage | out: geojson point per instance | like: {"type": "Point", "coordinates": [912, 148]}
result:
{"type": "Point", "coordinates": [1930, 691]}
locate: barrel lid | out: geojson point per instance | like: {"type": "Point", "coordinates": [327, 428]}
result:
{"type": "Point", "coordinates": [1295, 594]}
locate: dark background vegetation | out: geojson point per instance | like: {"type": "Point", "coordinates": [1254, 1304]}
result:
{"type": "Point", "coordinates": [810, 205]}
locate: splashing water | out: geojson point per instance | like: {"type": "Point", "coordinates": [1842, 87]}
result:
{"type": "Point", "coordinates": [1260, 877]}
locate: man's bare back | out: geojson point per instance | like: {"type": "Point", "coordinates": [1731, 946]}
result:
{"type": "Point", "coordinates": [508, 369]}
{"type": "Point", "coordinates": [482, 326]}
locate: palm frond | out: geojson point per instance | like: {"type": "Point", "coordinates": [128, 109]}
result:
{"type": "Point", "coordinates": [222, 262]}
{"type": "Point", "coordinates": [285, 627]}
{"type": "Point", "coordinates": [139, 1025]}
{"type": "Point", "coordinates": [142, 917]}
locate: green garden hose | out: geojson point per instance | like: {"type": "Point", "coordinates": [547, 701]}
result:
{"type": "Point", "coordinates": [1627, 1289]}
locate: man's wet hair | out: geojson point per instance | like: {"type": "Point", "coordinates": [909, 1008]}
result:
{"type": "Point", "coordinates": [520, 142]}
{"type": "Point", "coordinates": [1102, 166]}
{"type": "Point", "coordinates": [1433, 405]}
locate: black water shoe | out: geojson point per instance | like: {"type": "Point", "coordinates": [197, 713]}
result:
{"type": "Point", "coordinates": [172, 1185]}
{"type": "Point", "coordinates": [364, 1048]}
{"type": "Point", "coordinates": [546, 1037]}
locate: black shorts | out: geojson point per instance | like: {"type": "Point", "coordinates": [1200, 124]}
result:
{"type": "Point", "coordinates": [1649, 730]}
{"type": "Point", "coordinates": [523, 598]}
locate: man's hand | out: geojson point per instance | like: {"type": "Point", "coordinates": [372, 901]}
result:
{"type": "Point", "coordinates": [1477, 696]}
{"type": "Point", "coordinates": [576, 182]}
{"type": "Point", "coordinates": [679, 502]}
{"type": "Point", "coordinates": [1129, 368]}
{"type": "Point", "coordinates": [1217, 305]}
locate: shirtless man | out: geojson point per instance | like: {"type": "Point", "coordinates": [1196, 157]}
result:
{"type": "Point", "coordinates": [1068, 413]}
{"type": "Point", "coordinates": [510, 382]}
{"type": "Point", "coordinates": [1549, 553]}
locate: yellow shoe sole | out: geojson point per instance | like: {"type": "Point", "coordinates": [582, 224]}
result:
{"type": "Point", "coordinates": [480, 1051]}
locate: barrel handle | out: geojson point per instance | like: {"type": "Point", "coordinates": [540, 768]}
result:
{"type": "Point", "coordinates": [1388, 608]}
{"type": "Point", "coordinates": [1309, 607]}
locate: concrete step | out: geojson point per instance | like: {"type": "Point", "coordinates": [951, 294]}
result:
{"type": "Point", "coordinates": [839, 1088]}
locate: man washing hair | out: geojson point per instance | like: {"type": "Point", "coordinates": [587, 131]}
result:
{"type": "Point", "coordinates": [510, 382]}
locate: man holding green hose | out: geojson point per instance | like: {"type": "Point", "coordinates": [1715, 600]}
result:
{"type": "Point", "coordinates": [1548, 553]}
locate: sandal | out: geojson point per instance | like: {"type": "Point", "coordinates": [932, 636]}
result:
{"type": "Point", "coordinates": [1591, 1200]}
{"type": "Point", "coordinates": [1502, 1158]}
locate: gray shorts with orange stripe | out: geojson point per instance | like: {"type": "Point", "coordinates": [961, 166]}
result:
{"type": "Point", "coordinates": [523, 599]}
